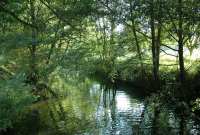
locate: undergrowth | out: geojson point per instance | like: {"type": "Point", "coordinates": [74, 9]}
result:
{"type": "Point", "coordinates": [14, 97]}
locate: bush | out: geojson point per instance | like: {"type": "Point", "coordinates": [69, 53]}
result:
{"type": "Point", "coordinates": [195, 104]}
{"type": "Point", "coordinates": [14, 97]}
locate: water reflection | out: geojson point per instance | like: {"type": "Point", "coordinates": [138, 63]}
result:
{"type": "Point", "coordinates": [81, 104]}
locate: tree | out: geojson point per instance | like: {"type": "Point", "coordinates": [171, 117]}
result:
{"type": "Point", "coordinates": [155, 56]}
{"type": "Point", "coordinates": [133, 9]}
{"type": "Point", "coordinates": [43, 24]}
{"type": "Point", "coordinates": [179, 30]}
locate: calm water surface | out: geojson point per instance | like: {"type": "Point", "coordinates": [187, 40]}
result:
{"type": "Point", "coordinates": [85, 105]}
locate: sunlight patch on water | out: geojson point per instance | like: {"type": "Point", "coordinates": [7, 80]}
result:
{"type": "Point", "coordinates": [123, 102]}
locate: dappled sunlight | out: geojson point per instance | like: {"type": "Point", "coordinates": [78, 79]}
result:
{"type": "Point", "coordinates": [115, 67]}
{"type": "Point", "coordinates": [84, 105]}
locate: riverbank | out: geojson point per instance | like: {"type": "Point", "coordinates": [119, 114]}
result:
{"type": "Point", "coordinates": [119, 73]}
{"type": "Point", "coordinates": [93, 105]}
{"type": "Point", "coordinates": [131, 73]}
{"type": "Point", "coordinates": [169, 79]}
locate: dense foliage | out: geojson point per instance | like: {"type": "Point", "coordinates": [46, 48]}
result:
{"type": "Point", "coordinates": [152, 43]}
{"type": "Point", "coordinates": [14, 98]}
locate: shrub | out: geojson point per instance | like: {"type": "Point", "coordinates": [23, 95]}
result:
{"type": "Point", "coordinates": [14, 97]}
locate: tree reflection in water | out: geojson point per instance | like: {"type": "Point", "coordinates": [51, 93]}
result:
{"type": "Point", "coordinates": [84, 104]}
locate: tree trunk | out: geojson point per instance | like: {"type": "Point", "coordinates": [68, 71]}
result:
{"type": "Point", "coordinates": [155, 71]}
{"type": "Point", "coordinates": [51, 49]}
{"type": "Point", "coordinates": [138, 48]}
{"type": "Point", "coordinates": [50, 52]}
{"type": "Point", "coordinates": [112, 50]}
{"type": "Point", "coordinates": [104, 41]}
{"type": "Point", "coordinates": [33, 76]}
{"type": "Point", "coordinates": [180, 51]}
{"type": "Point", "coordinates": [158, 38]}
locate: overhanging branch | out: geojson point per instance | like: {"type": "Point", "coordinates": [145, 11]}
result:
{"type": "Point", "coordinates": [132, 26]}
{"type": "Point", "coordinates": [168, 53]}
{"type": "Point", "coordinates": [58, 15]}
{"type": "Point", "coordinates": [16, 17]}
{"type": "Point", "coordinates": [124, 21]}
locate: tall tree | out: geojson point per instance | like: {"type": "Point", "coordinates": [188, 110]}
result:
{"type": "Point", "coordinates": [33, 76]}
{"type": "Point", "coordinates": [41, 25]}
{"type": "Point", "coordinates": [155, 59]}
{"type": "Point", "coordinates": [158, 41]}
{"type": "Point", "coordinates": [137, 42]}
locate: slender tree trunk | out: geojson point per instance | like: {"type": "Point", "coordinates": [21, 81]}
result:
{"type": "Point", "coordinates": [97, 32]}
{"type": "Point", "coordinates": [112, 50]}
{"type": "Point", "coordinates": [60, 44]}
{"type": "Point", "coordinates": [180, 51]}
{"type": "Point", "coordinates": [104, 41]}
{"type": "Point", "coordinates": [53, 45]}
{"type": "Point", "coordinates": [158, 50]}
{"type": "Point", "coordinates": [50, 52]}
{"type": "Point", "coordinates": [51, 49]}
{"type": "Point", "coordinates": [33, 77]}
{"type": "Point", "coordinates": [158, 38]}
{"type": "Point", "coordinates": [155, 71]}
{"type": "Point", "coordinates": [138, 47]}
{"type": "Point", "coordinates": [112, 37]}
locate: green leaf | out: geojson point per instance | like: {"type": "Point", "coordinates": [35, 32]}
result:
{"type": "Point", "coordinates": [191, 102]}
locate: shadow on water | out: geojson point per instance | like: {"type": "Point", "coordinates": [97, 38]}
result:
{"type": "Point", "coordinates": [82, 104]}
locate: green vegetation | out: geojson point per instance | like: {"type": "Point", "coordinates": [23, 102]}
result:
{"type": "Point", "coordinates": [152, 43]}
{"type": "Point", "coordinates": [14, 98]}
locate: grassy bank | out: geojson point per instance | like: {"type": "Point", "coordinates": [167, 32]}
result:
{"type": "Point", "coordinates": [128, 69]}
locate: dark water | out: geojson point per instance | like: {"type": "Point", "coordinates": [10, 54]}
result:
{"type": "Point", "coordinates": [85, 105]}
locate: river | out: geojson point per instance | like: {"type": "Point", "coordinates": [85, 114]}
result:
{"type": "Point", "coordinates": [83, 105]}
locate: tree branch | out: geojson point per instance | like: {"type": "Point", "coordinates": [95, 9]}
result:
{"type": "Point", "coordinates": [168, 53]}
{"type": "Point", "coordinates": [194, 32]}
{"type": "Point", "coordinates": [58, 15]}
{"type": "Point", "coordinates": [132, 26]}
{"type": "Point", "coordinates": [16, 17]}
{"type": "Point", "coordinates": [169, 32]}
{"type": "Point", "coordinates": [123, 20]}
{"type": "Point", "coordinates": [169, 47]}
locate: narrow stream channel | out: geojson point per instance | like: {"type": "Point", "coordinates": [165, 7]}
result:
{"type": "Point", "coordinates": [85, 105]}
